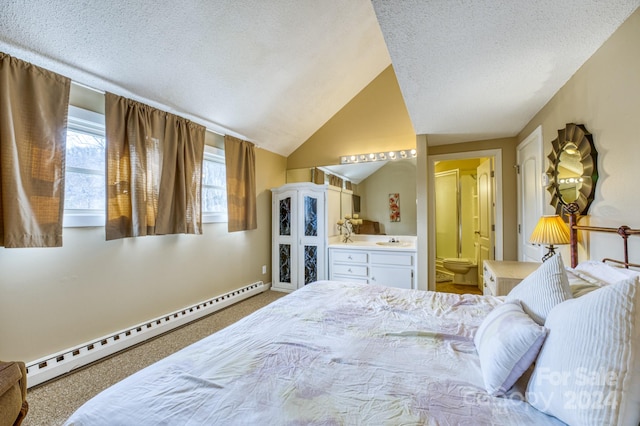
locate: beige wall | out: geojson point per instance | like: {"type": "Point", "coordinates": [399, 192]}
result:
{"type": "Point", "coordinates": [52, 299]}
{"type": "Point", "coordinates": [394, 177]}
{"type": "Point", "coordinates": [604, 95]}
{"type": "Point", "coordinates": [375, 120]}
{"type": "Point", "coordinates": [509, 189]}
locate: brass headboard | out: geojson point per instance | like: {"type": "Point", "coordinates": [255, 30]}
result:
{"type": "Point", "coordinates": [624, 231]}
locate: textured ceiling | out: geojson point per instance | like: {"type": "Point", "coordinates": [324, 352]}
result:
{"type": "Point", "coordinates": [274, 71]}
{"type": "Point", "coordinates": [472, 70]}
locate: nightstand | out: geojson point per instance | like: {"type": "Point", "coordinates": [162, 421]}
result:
{"type": "Point", "coordinates": [500, 276]}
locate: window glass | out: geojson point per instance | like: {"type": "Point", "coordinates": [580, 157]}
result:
{"type": "Point", "coordinates": [214, 186]}
{"type": "Point", "coordinates": [84, 197]}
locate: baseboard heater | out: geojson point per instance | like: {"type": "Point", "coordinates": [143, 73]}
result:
{"type": "Point", "coordinates": [55, 365]}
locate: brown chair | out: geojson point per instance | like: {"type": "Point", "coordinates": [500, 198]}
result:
{"type": "Point", "coordinates": [13, 393]}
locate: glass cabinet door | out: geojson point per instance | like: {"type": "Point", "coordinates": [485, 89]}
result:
{"type": "Point", "coordinates": [285, 240]}
{"type": "Point", "coordinates": [310, 216]}
{"type": "Point", "coordinates": [284, 216]}
{"type": "Point", "coordinates": [312, 234]}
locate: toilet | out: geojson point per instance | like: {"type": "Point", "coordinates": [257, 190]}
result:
{"type": "Point", "coordinates": [465, 270]}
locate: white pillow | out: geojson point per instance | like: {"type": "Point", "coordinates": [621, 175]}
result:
{"type": "Point", "coordinates": [542, 289]}
{"type": "Point", "coordinates": [603, 272]}
{"type": "Point", "coordinates": [507, 341]}
{"type": "Point", "coordinates": [588, 370]}
{"type": "Point", "coordinates": [581, 284]}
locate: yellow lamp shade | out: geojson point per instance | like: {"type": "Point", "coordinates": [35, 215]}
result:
{"type": "Point", "coordinates": [550, 230]}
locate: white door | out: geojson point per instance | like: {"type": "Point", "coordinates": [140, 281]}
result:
{"type": "Point", "coordinates": [486, 215]}
{"type": "Point", "coordinates": [285, 240]}
{"type": "Point", "coordinates": [447, 221]}
{"type": "Point", "coordinates": [530, 194]}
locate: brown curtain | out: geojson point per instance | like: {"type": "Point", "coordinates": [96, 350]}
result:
{"type": "Point", "coordinates": [318, 176]}
{"type": "Point", "coordinates": [240, 160]}
{"type": "Point", "coordinates": [154, 171]}
{"type": "Point", "coordinates": [335, 181]}
{"type": "Point", "coordinates": [33, 136]}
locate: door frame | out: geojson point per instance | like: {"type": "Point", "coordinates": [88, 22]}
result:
{"type": "Point", "coordinates": [431, 223]}
{"type": "Point", "coordinates": [535, 137]}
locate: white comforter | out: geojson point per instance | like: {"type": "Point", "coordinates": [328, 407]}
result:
{"type": "Point", "coordinates": [330, 353]}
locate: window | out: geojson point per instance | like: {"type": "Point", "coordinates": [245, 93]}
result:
{"type": "Point", "coordinates": [214, 186]}
{"type": "Point", "coordinates": [84, 196]}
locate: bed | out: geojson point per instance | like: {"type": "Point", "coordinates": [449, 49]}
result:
{"type": "Point", "coordinates": [563, 348]}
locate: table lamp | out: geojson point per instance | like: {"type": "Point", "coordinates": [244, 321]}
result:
{"type": "Point", "coordinates": [550, 230]}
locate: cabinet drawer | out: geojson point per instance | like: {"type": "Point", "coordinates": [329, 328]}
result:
{"type": "Point", "coordinates": [489, 283]}
{"type": "Point", "coordinates": [350, 279]}
{"type": "Point", "coordinates": [350, 270]}
{"type": "Point", "coordinates": [350, 256]}
{"type": "Point", "coordinates": [386, 258]}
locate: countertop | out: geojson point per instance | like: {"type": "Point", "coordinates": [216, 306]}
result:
{"type": "Point", "coordinates": [372, 243]}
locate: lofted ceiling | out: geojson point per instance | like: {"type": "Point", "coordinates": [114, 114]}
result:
{"type": "Point", "coordinates": [274, 71]}
{"type": "Point", "coordinates": [480, 69]}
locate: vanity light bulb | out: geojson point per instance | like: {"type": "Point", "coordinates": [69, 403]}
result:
{"type": "Point", "coordinates": [581, 180]}
{"type": "Point", "coordinates": [344, 160]}
{"type": "Point", "coordinates": [392, 155]}
{"type": "Point", "coordinates": [403, 154]}
{"type": "Point", "coordinates": [382, 156]}
{"type": "Point", "coordinates": [372, 156]}
{"type": "Point", "coordinates": [413, 152]}
{"type": "Point", "coordinates": [353, 158]}
{"type": "Point", "coordinates": [363, 157]}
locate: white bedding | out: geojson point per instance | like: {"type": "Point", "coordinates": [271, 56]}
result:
{"type": "Point", "coordinates": [330, 353]}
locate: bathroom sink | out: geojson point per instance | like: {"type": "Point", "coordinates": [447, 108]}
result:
{"type": "Point", "coordinates": [393, 244]}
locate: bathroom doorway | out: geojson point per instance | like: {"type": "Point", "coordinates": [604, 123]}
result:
{"type": "Point", "coordinates": [463, 230]}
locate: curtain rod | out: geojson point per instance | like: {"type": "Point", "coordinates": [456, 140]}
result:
{"type": "Point", "coordinates": [67, 70]}
{"type": "Point", "coordinates": [102, 92]}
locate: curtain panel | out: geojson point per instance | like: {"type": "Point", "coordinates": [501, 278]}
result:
{"type": "Point", "coordinates": [240, 161]}
{"type": "Point", "coordinates": [317, 176]}
{"type": "Point", "coordinates": [33, 133]}
{"type": "Point", "coordinates": [154, 171]}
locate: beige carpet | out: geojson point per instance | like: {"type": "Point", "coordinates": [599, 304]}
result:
{"type": "Point", "coordinates": [53, 402]}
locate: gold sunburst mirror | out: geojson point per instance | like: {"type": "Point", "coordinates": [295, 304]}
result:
{"type": "Point", "coordinates": [573, 170]}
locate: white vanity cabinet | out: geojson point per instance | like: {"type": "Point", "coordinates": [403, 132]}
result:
{"type": "Point", "coordinates": [299, 232]}
{"type": "Point", "coordinates": [394, 268]}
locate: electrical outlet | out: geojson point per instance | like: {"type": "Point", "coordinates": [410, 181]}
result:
{"type": "Point", "coordinates": [264, 269]}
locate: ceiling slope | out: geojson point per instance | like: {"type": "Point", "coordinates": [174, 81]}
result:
{"type": "Point", "coordinates": [268, 71]}
{"type": "Point", "coordinates": [473, 70]}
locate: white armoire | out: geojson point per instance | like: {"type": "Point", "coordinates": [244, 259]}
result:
{"type": "Point", "coordinates": [299, 218]}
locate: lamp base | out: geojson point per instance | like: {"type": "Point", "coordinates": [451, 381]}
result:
{"type": "Point", "coordinates": [550, 253]}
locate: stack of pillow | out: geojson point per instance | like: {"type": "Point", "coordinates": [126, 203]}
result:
{"type": "Point", "coordinates": [586, 349]}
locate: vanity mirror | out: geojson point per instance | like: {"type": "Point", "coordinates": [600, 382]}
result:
{"type": "Point", "coordinates": [573, 170]}
{"type": "Point", "coordinates": [372, 183]}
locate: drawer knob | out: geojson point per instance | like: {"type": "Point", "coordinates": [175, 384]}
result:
{"type": "Point", "coordinates": [491, 278]}
{"type": "Point", "coordinates": [349, 257]}
{"type": "Point", "coordinates": [349, 270]}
